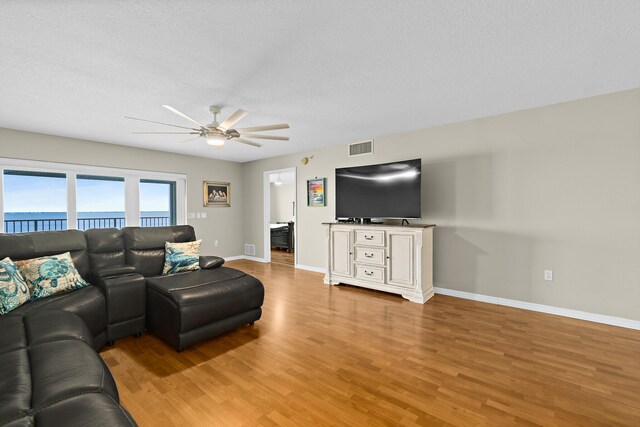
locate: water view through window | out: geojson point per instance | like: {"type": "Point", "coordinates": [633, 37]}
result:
{"type": "Point", "coordinates": [37, 201]}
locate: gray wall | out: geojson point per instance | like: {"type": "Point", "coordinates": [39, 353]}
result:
{"type": "Point", "coordinates": [223, 224]}
{"type": "Point", "coordinates": [549, 188]}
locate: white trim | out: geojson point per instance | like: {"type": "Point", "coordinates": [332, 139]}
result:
{"type": "Point", "coordinates": [233, 258]}
{"type": "Point", "coordinates": [72, 202]}
{"type": "Point", "coordinates": [131, 177]}
{"type": "Point", "coordinates": [311, 268]}
{"type": "Point", "coordinates": [254, 258]}
{"type": "Point", "coordinates": [29, 165]}
{"type": "Point", "coordinates": [549, 309]}
{"type": "Point", "coordinates": [1, 200]}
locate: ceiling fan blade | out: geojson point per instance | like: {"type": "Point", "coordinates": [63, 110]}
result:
{"type": "Point", "coordinates": [189, 140]}
{"type": "Point", "coordinates": [258, 136]}
{"type": "Point", "coordinates": [173, 110]}
{"type": "Point", "coordinates": [158, 123]}
{"type": "Point", "coordinates": [246, 141]}
{"type": "Point", "coordinates": [263, 128]}
{"type": "Point", "coordinates": [166, 133]}
{"type": "Point", "coordinates": [233, 119]}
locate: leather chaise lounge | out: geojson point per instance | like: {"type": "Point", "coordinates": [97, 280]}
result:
{"type": "Point", "coordinates": [50, 373]}
{"type": "Point", "coordinates": [186, 308]}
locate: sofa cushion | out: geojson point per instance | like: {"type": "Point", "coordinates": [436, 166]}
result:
{"type": "Point", "coordinates": [204, 296]}
{"type": "Point", "coordinates": [15, 384]}
{"type": "Point", "coordinates": [50, 275]}
{"type": "Point", "coordinates": [22, 246]}
{"type": "Point", "coordinates": [13, 288]}
{"type": "Point", "coordinates": [88, 303]}
{"type": "Point", "coordinates": [144, 246]}
{"type": "Point", "coordinates": [179, 257]}
{"type": "Point", "coordinates": [90, 409]}
{"type": "Point", "coordinates": [62, 369]}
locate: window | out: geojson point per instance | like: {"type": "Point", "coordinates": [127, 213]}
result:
{"type": "Point", "coordinates": [34, 201]}
{"type": "Point", "coordinates": [40, 196]}
{"type": "Point", "coordinates": [100, 202]}
{"type": "Point", "coordinates": [157, 203]}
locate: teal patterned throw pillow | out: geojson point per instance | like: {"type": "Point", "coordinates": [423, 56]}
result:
{"type": "Point", "coordinates": [181, 257]}
{"type": "Point", "coordinates": [49, 275]}
{"type": "Point", "coordinates": [13, 288]}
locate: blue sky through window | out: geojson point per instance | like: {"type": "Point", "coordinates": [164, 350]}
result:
{"type": "Point", "coordinates": [25, 193]}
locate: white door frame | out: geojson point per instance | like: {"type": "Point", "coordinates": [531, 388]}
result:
{"type": "Point", "coordinates": [267, 213]}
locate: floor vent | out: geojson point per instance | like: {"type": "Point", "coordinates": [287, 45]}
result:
{"type": "Point", "coordinates": [360, 148]}
{"type": "Point", "coordinates": [249, 249]}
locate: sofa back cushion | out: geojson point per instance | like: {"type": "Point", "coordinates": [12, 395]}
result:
{"type": "Point", "coordinates": [144, 246]}
{"type": "Point", "coordinates": [106, 248]}
{"type": "Point", "coordinates": [43, 243]}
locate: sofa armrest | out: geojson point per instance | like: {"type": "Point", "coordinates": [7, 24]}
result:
{"type": "Point", "coordinates": [119, 270]}
{"type": "Point", "coordinates": [210, 262]}
{"type": "Point", "coordinates": [125, 295]}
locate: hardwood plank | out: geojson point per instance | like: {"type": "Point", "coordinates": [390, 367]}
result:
{"type": "Point", "coordinates": [343, 355]}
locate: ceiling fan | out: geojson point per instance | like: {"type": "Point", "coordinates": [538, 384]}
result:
{"type": "Point", "coordinates": [215, 133]}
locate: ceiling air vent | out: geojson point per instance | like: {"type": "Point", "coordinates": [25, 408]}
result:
{"type": "Point", "coordinates": [360, 148]}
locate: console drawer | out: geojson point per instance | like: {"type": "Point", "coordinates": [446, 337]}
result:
{"type": "Point", "coordinates": [372, 274]}
{"type": "Point", "coordinates": [369, 237]}
{"type": "Point", "coordinates": [373, 256]}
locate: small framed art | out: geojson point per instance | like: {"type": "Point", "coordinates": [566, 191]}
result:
{"type": "Point", "coordinates": [316, 192]}
{"type": "Point", "coordinates": [217, 194]}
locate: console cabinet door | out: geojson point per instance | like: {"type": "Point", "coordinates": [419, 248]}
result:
{"type": "Point", "coordinates": [341, 256]}
{"type": "Point", "coordinates": [401, 259]}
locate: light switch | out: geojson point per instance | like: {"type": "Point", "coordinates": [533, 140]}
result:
{"type": "Point", "coordinates": [204, 214]}
{"type": "Point", "coordinates": [197, 214]}
{"type": "Point", "coordinates": [191, 215]}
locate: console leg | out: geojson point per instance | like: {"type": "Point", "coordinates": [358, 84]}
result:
{"type": "Point", "coordinates": [251, 324]}
{"type": "Point", "coordinates": [111, 343]}
{"type": "Point", "coordinates": [180, 350]}
{"type": "Point", "coordinates": [138, 335]}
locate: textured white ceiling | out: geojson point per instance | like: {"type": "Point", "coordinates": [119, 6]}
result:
{"type": "Point", "coordinates": [336, 71]}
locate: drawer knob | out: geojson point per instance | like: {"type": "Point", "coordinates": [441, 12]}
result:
{"type": "Point", "coordinates": [368, 237]}
{"type": "Point", "coordinates": [368, 273]}
{"type": "Point", "coordinates": [368, 255]}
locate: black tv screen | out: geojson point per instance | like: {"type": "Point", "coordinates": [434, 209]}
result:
{"type": "Point", "coordinates": [390, 190]}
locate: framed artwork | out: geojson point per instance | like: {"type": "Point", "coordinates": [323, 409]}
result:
{"type": "Point", "coordinates": [217, 194]}
{"type": "Point", "coordinates": [316, 192]}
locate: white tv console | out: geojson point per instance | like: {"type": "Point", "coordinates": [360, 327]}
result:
{"type": "Point", "coordinates": [390, 258]}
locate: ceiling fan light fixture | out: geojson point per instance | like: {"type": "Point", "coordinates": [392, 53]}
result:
{"type": "Point", "coordinates": [215, 139]}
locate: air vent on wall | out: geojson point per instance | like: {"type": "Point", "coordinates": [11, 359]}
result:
{"type": "Point", "coordinates": [249, 249]}
{"type": "Point", "coordinates": [360, 148]}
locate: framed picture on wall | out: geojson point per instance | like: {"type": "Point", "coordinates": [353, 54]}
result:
{"type": "Point", "coordinates": [316, 192]}
{"type": "Point", "coordinates": [217, 194]}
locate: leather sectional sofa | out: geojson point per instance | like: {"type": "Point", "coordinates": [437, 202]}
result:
{"type": "Point", "coordinates": [50, 373]}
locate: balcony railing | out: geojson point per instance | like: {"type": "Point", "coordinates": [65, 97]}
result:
{"type": "Point", "coordinates": [48, 224]}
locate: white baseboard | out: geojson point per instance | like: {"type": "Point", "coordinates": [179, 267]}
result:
{"type": "Point", "coordinates": [549, 309]}
{"type": "Point", "coordinates": [247, 257]}
{"type": "Point", "coordinates": [310, 268]}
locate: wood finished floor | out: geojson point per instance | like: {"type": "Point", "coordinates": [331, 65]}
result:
{"type": "Point", "coordinates": [280, 256]}
{"type": "Point", "coordinates": [341, 355]}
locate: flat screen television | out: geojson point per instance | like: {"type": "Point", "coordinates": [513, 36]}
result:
{"type": "Point", "coordinates": [389, 190]}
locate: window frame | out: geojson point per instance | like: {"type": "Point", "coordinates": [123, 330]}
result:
{"type": "Point", "coordinates": [132, 178]}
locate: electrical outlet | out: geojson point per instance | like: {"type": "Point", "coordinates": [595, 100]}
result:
{"type": "Point", "coordinates": [215, 243]}
{"type": "Point", "coordinates": [191, 215]}
{"type": "Point", "coordinates": [548, 275]}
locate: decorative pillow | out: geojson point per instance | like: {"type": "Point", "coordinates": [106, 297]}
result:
{"type": "Point", "coordinates": [49, 275]}
{"type": "Point", "coordinates": [13, 288]}
{"type": "Point", "coordinates": [181, 257]}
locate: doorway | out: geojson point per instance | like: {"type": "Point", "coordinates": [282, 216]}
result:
{"type": "Point", "coordinates": [280, 225]}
